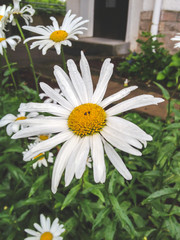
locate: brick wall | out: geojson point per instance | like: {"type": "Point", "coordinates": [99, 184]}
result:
{"type": "Point", "coordinates": [169, 26]}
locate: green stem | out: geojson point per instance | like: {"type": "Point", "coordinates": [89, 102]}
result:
{"type": "Point", "coordinates": [9, 67]}
{"type": "Point", "coordinates": [29, 55]}
{"type": "Point", "coordinates": [63, 60]}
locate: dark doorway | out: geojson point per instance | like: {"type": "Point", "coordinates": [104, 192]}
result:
{"type": "Point", "coordinates": [110, 18]}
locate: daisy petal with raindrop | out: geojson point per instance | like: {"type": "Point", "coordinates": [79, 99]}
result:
{"type": "Point", "coordinates": [86, 123]}
{"type": "Point", "coordinates": [56, 35]}
{"type": "Point", "coordinates": [46, 231]}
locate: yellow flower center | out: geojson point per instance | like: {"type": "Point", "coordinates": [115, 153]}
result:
{"type": "Point", "coordinates": [40, 156]}
{"type": "Point", "coordinates": [2, 39]}
{"type": "Point", "coordinates": [87, 119]}
{"type": "Point", "coordinates": [46, 236]}
{"type": "Point", "coordinates": [21, 118]}
{"type": "Point", "coordinates": [1, 17]}
{"type": "Point", "coordinates": [43, 137]}
{"type": "Point", "coordinates": [58, 36]}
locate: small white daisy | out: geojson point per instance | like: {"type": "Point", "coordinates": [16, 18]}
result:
{"type": "Point", "coordinates": [12, 41]}
{"type": "Point", "coordinates": [40, 138]}
{"type": "Point", "coordinates": [4, 14]}
{"type": "Point", "coordinates": [56, 35]}
{"type": "Point", "coordinates": [84, 123]}
{"type": "Point", "coordinates": [46, 231]}
{"type": "Point", "coordinates": [26, 12]}
{"type": "Point", "coordinates": [41, 158]}
{"type": "Point", "coordinates": [12, 121]}
{"type": "Point", "coordinates": [176, 38]}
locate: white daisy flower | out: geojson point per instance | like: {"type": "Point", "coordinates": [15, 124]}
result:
{"type": "Point", "coordinates": [56, 35]}
{"type": "Point", "coordinates": [4, 14]}
{"type": "Point", "coordinates": [12, 121]}
{"type": "Point", "coordinates": [46, 231]}
{"type": "Point", "coordinates": [48, 99]}
{"type": "Point", "coordinates": [176, 38]}
{"type": "Point", "coordinates": [12, 41]}
{"type": "Point", "coordinates": [41, 158]}
{"type": "Point", "coordinates": [40, 138]}
{"type": "Point", "coordinates": [26, 12]}
{"type": "Point", "coordinates": [84, 123]}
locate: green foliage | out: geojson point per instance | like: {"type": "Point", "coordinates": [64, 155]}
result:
{"type": "Point", "coordinates": [47, 6]}
{"type": "Point", "coordinates": [171, 72]}
{"type": "Point", "coordinates": [144, 66]}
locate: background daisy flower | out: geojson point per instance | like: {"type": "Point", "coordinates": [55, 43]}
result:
{"type": "Point", "coordinates": [12, 121]}
{"type": "Point", "coordinates": [4, 14]}
{"type": "Point", "coordinates": [49, 100]}
{"type": "Point", "coordinates": [46, 231]}
{"type": "Point", "coordinates": [41, 158]}
{"type": "Point", "coordinates": [12, 41]}
{"type": "Point", "coordinates": [26, 12]}
{"type": "Point", "coordinates": [176, 38]}
{"type": "Point", "coordinates": [83, 121]}
{"type": "Point", "coordinates": [56, 35]}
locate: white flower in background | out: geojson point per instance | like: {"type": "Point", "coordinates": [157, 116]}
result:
{"type": "Point", "coordinates": [26, 12]}
{"type": "Point", "coordinates": [12, 41]}
{"type": "Point", "coordinates": [12, 121]}
{"type": "Point", "coordinates": [41, 158]}
{"type": "Point", "coordinates": [56, 35]}
{"type": "Point", "coordinates": [46, 231]}
{"type": "Point", "coordinates": [176, 38]}
{"type": "Point", "coordinates": [49, 100]}
{"type": "Point", "coordinates": [40, 138]}
{"type": "Point", "coordinates": [4, 14]}
{"type": "Point", "coordinates": [83, 123]}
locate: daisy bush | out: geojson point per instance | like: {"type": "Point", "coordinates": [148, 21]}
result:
{"type": "Point", "coordinates": [74, 163]}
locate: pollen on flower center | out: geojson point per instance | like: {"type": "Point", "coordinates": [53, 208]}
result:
{"type": "Point", "coordinates": [2, 39]}
{"type": "Point", "coordinates": [58, 36]}
{"type": "Point", "coordinates": [43, 137]}
{"type": "Point", "coordinates": [1, 17]}
{"type": "Point", "coordinates": [19, 118]}
{"type": "Point", "coordinates": [46, 236]}
{"type": "Point", "coordinates": [87, 119]}
{"type": "Point", "coordinates": [40, 156]}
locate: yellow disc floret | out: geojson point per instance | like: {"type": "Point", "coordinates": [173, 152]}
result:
{"type": "Point", "coordinates": [2, 39]}
{"type": "Point", "coordinates": [40, 156]}
{"type": "Point", "coordinates": [58, 36]}
{"type": "Point", "coordinates": [87, 119]}
{"type": "Point", "coordinates": [21, 118]}
{"type": "Point", "coordinates": [46, 236]}
{"type": "Point", "coordinates": [43, 137]}
{"type": "Point", "coordinates": [1, 17]}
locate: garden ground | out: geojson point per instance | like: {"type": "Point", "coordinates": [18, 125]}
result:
{"type": "Point", "coordinates": [44, 67]}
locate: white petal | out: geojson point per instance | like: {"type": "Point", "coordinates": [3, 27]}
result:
{"type": "Point", "coordinates": [119, 144]}
{"type": "Point", "coordinates": [61, 161]}
{"type": "Point", "coordinates": [117, 96]}
{"type": "Point", "coordinates": [66, 86]}
{"type": "Point", "coordinates": [97, 154]}
{"type": "Point", "coordinates": [55, 96]}
{"type": "Point", "coordinates": [104, 78]}
{"type": "Point", "coordinates": [117, 161]}
{"type": "Point", "coordinates": [32, 232]}
{"type": "Point", "coordinates": [7, 119]}
{"type": "Point", "coordinates": [38, 227]}
{"type": "Point", "coordinates": [135, 102]}
{"type": "Point", "coordinates": [44, 107]}
{"type": "Point", "coordinates": [77, 81]}
{"type": "Point", "coordinates": [86, 75]}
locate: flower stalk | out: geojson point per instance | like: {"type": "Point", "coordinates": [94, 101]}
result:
{"type": "Point", "coordinates": [29, 55]}
{"type": "Point", "coordinates": [63, 60]}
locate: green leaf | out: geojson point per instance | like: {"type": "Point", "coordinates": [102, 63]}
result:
{"type": "Point", "coordinates": [122, 215]}
{"type": "Point", "coordinates": [173, 126]}
{"type": "Point", "coordinates": [160, 193]}
{"type": "Point", "coordinates": [23, 216]}
{"type": "Point", "coordinates": [87, 210]}
{"type": "Point", "coordinates": [37, 184]}
{"type": "Point", "coordinates": [165, 93]}
{"type": "Point", "coordinates": [100, 217]}
{"type": "Point", "coordinates": [173, 227]}
{"type": "Point", "coordinates": [110, 230]}
{"type": "Point", "coordinates": [71, 195]}
{"type": "Point", "coordinates": [88, 187]}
